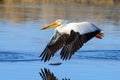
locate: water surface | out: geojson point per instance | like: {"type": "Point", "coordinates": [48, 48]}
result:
{"type": "Point", "coordinates": [21, 41]}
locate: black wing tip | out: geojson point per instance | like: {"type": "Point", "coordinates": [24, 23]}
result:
{"type": "Point", "coordinates": [43, 58]}
{"type": "Point", "coordinates": [44, 55]}
{"type": "Point", "coordinates": [65, 58]}
{"type": "Point", "coordinates": [40, 56]}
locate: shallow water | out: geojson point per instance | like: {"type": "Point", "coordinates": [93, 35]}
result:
{"type": "Point", "coordinates": [21, 41]}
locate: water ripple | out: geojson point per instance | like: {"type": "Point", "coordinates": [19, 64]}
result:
{"type": "Point", "coordinates": [86, 54]}
{"type": "Point", "coordinates": [17, 57]}
{"type": "Point", "coordinates": [99, 54]}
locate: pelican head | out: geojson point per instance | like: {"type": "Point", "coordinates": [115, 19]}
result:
{"type": "Point", "coordinates": [55, 24]}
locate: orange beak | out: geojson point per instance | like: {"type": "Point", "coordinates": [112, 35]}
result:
{"type": "Point", "coordinates": [100, 35]}
{"type": "Point", "coordinates": [52, 25]}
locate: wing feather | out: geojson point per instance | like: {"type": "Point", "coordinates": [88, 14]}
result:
{"type": "Point", "coordinates": [74, 42]}
{"type": "Point", "coordinates": [54, 45]}
{"type": "Point", "coordinates": [70, 43]}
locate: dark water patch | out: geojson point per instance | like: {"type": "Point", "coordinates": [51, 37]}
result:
{"type": "Point", "coordinates": [17, 57]}
{"type": "Point", "coordinates": [99, 54]}
{"type": "Point", "coordinates": [55, 64]}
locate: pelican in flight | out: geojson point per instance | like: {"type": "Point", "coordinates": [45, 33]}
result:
{"type": "Point", "coordinates": [70, 36]}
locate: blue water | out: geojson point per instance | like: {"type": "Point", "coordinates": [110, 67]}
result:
{"type": "Point", "coordinates": [22, 41]}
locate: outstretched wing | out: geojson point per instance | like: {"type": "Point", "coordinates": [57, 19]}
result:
{"type": "Point", "coordinates": [74, 42]}
{"type": "Point", "coordinates": [56, 42]}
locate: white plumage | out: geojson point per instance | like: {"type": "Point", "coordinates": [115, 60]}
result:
{"type": "Point", "coordinates": [70, 37]}
{"type": "Point", "coordinates": [82, 27]}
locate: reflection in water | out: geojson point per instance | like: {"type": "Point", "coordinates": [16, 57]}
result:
{"type": "Point", "coordinates": [47, 75]}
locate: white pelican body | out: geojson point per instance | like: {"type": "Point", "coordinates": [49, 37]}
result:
{"type": "Point", "coordinates": [82, 27]}
{"type": "Point", "coordinates": [70, 37]}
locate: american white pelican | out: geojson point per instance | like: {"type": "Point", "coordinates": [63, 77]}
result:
{"type": "Point", "coordinates": [70, 36]}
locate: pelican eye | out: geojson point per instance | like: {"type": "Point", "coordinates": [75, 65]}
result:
{"type": "Point", "coordinates": [58, 22]}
